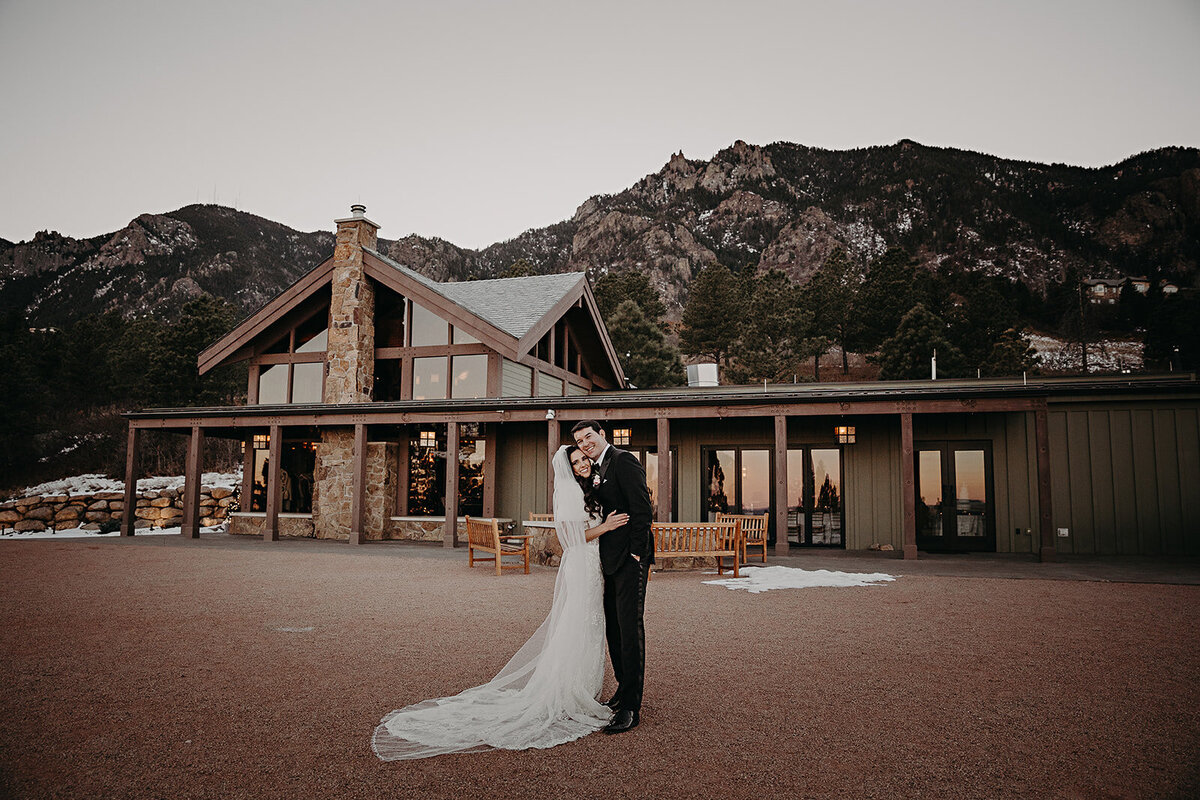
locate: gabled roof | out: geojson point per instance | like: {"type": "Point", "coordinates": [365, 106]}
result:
{"type": "Point", "coordinates": [512, 305]}
{"type": "Point", "coordinates": [510, 314]}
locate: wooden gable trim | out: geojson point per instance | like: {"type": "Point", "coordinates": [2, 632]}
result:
{"type": "Point", "coordinates": [581, 297]}
{"type": "Point", "coordinates": [231, 343]}
{"type": "Point", "coordinates": [438, 303]}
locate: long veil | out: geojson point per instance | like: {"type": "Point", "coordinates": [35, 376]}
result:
{"type": "Point", "coordinates": [547, 692]}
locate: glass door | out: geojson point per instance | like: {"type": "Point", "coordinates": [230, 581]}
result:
{"type": "Point", "coordinates": [815, 497]}
{"type": "Point", "coordinates": [955, 510]}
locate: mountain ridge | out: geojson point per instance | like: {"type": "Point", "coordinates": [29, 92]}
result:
{"type": "Point", "coordinates": [781, 205]}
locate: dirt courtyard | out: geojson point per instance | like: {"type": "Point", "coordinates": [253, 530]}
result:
{"type": "Point", "coordinates": [222, 668]}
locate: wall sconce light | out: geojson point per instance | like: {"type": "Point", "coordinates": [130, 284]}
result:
{"type": "Point", "coordinates": [261, 441]}
{"type": "Point", "coordinates": [844, 433]}
{"type": "Point", "coordinates": [549, 413]}
{"type": "Point", "coordinates": [622, 436]}
{"type": "Point", "coordinates": [428, 439]}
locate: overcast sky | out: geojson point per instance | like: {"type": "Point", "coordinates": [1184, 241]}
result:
{"type": "Point", "coordinates": [475, 121]}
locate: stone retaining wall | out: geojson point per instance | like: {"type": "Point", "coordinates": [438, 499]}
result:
{"type": "Point", "coordinates": [159, 508]}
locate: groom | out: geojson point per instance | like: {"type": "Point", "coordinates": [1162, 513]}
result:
{"type": "Point", "coordinates": [626, 554]}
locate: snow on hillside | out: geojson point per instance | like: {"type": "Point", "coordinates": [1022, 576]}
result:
{"type": "Point", "coordinates": [1106, 355]}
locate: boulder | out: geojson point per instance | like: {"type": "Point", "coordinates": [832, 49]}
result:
{"type": "Point", "coordinates": [56, 498]}
{"type": "Point", "coordinates": [146, 513]}
{"type": "Point", "coordinates": [208, 522]}
{"type": "Point", "coordinates": [142, 523]}
{"type": "Point", "coordinates": [170, 493]}
{"type": "Point", "coordinates": [32, 500]}
{"type": "Point", "coordinates": [225, 501]}
{"type": "Point", "coordinates": [7, 516]}
{"type": "Point", "coordinates": [44, 513]}
{"type": "Point", "coordinates": [170, 513]}
{"type": "Point", "coordinates": [109, 495]}
{"type": "Point", "coordinates": [116, 505]}
{"type": "Point", "coordinates": [161, 502]}
{"type": "Point", "coordinates": [30, 525]}
{"type": "Point", "coordinates": [98, 505]}
{"type": "Point", "coordinates": [67, 514]}
{"type": "Point", "coordinates": [219, 492]}
{"type": "Point", "coordinates": [91, 526]}
{"type": "Point", "coordinates": [97, 516]}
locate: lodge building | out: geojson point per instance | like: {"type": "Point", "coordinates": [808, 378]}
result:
{"type": "Point", "coordinates": [384, 405]}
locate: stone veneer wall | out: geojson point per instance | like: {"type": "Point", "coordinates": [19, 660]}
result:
{"type": "Point", "coordinates": [161, 508]}
{"type": "Point", "coordinates": [333, 490]}
{"type": "Point", "coordinates": [350, 351]}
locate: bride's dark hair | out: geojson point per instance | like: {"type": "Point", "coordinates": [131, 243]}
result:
{"type": "Point", "coordinates": [591, 503]}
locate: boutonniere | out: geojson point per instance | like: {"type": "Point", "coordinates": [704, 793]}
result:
{"type": "Point", "coordinates": [595, 480]}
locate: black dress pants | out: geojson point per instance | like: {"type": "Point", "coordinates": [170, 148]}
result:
{"type": "Point", "coordinates": [624, 604]}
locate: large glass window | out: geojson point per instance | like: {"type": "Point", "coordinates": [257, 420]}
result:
{"type": "Point", "coordinates": [428, 328]}
{"type": "Point", "coordinates": [470, 376]}
{"type": "Point", "coordinates": [429, 378]}
{"type": "Point", "coordinates": [307, 382]}
{"type": "Point", "coordinates": [462, 337]}
{"type": "Point", "coordinates": [273, 385]}
{"type": "Point", "coordinates": [389, 319]}
{"type": "Point", "coordinates": [388, 372]}
{"type": "Point", "coordinates": [295, 478]}
{"type": "Point", "coordinates": [427, 471]}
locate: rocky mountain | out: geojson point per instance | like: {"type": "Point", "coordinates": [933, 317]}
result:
{"type": "Point", "coordinates": [750, 207]}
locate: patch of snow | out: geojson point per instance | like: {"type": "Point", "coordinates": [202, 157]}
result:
{"type": "Point", "coordinates": [764, 579]}
{"type": "Point", "coordinates": [80, 533]}
{"type": "Point", "coordinates": [90, 484]}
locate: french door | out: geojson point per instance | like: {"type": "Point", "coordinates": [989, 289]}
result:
{"type": "Point", "coordinates": [814, 497]}
{"type": "Point", "coordinates": [955, 507]}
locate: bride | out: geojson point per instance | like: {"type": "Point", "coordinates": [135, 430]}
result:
{"type": "Point", "coordinates": [547, 693]}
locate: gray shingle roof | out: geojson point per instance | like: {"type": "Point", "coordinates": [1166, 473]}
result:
{"type": "Point", "coordinates": [514, 305]}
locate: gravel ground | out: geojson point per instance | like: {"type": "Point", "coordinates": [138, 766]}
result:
{"type": "Point", "coordinates": [231, 668]}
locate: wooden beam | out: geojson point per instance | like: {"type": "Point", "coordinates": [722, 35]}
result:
{"type": "Point", "coordinates": [274, 455]}
{"type": "Point", "coordinates": [130, 506]}
{"type": "Point", "coordinates": [664, 469]}
{"type": "Point", "coordinates": [908, 486]}
{"type": "Point", "coordinates": [191, 484]}
{"type": "Point", "coordinates": [1045, 510]}
{"type": "Point", "coordinates": [358, 488]}
{"type": "Point", "coordinates": [450, 537]}
{"type": "Point", "coordinates": [553, 440]}
{"type": "Point", "coordinates": [781, 478]}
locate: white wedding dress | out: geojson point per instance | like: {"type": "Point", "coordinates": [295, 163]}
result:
{"type": "Point", "coordinates": [547, 693]}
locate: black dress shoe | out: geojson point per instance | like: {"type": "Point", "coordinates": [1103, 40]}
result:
{"type": "Point", "coordinates": [623, 721]}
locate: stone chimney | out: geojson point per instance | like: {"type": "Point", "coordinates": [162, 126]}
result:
{"type": "Point", "coordinates": [350, 354]}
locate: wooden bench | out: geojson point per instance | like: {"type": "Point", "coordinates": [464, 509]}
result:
{"type": "Point", "coordinates": [540, 517]}
{"type": "Point", "coordinates": [484, 534]}
{"type": "Point", "coordinates": [752, 532]}
{"type": "Point", "coordinates": [697, 539]}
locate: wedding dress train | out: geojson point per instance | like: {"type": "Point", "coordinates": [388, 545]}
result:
{"type": "Point", "coordinates": [547, 693]}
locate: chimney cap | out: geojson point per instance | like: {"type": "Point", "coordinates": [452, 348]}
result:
{"type": "Point", "coordinates": [358, 210]}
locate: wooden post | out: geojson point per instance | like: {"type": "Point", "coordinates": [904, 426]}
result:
{"type": "Point", "coordinates": [274, 455]}
{"type": "Point", "coordinates": [246, 499]}
{"type": "Point", "coordinates": [1045, 510]}
{"type": "Point", "coordinates": [664, 469]}
{"type": "Point", "coordinates": [491, 453]}
{"type": "Point", "coordinates": [908, 485]}
{"type": "Point", "coordinates": [781, 484]}
{"type": "Point", "coordinates": [450, 537]}
{"type": "Point", "coordinates": [405, 456]}
{"type": "Point", "coordinates": [358, 499]}
{"type": "Point", "coordinates": [127, 511]}
{"type": "Point", "coordinates": [553, 441]}
{"type": "Point", "coordinates": [191, 484]}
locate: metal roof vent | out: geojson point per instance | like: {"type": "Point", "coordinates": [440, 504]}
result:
{"type": "Point", "coordinates": [702, 375]}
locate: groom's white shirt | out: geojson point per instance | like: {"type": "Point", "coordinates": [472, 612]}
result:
{"type": "Point", "coordinates": [603, 453]}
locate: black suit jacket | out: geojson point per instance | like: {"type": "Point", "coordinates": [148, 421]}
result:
{"type": "Point", "coordinates": [623, 488]}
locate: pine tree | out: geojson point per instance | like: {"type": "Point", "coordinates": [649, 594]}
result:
{"type": "Point", "coordinates": [1011, 355]}
{"type": "Point", "coordinates": [648, 360]}
{"type": "Point", "coordinates": [832, 297]}
{"type": "Point", "coordinates": [890, 289]}
{"type": "Point", "coordinates": [713, 315]}
{"type": "Point", "coordinates": [907, 355]}
{"type": "Point", "coordinates": [616, 287]}
{"type": "Point", "coordinates": [766, 348]}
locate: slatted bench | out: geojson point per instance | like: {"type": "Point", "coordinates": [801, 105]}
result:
{"type": "Point", "coordinates": [484, 534]}
{"type": "Point", "coordinates": [752, 532]}
{"type": "Point", "coordinates": [697, 540]}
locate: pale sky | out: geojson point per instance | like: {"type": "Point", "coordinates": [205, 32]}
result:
{"type": "Point", "coordinates": [475, 121]}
